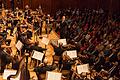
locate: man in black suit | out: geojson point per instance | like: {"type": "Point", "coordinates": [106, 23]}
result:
{"type": "Point", "coordinates": [63, 28]}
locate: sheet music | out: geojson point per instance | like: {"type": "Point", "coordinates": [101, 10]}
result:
{"type": "Point", "coordinates": [19, 45]}
{"type": "Point", "coordinates": [83, 68]}
{"type": "Point", "coordinates": [8, 72]}
{"type": "Point", "coordinates": [37, 55]}
{"type": "Point", "coordinates": [45, 41]}
{"type": "Point", "coordinates": [53, 75]}
{"type": "Point", "coordinates": [62, 41]}
{"type": "Point", "coordinates": [17, 78]}
{"type": "Point", "coordinates": [72, 53]}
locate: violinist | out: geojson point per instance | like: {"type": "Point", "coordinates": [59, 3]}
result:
{"type": "Point", "coordinates": [26, 38]}
{"type": "Point", "coordinates": [3, 32]}
{"type": "Point", "coordinates": [26, 10]}
{"type": "Point", "coordinates": [37, 23]}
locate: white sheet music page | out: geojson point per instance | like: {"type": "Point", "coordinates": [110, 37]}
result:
{"type": "Point", "coordinates": [53, 75]}
{"type": "Point", "coordinates": [8, 72]}
{"type": "Point", "coordinates": [45, 40]}
{"type": "Point", "coordinates": [17, 78]}
{"type": "Point", "coordinates": [37, 55]}
{"type": "Point", "coordinates": [72, 53]}
{"type": "Point", "coordinates": [83, 68]}
{"type": "Point", "coordinates": [19, 45]}
{"type": "Point", "coordinates": [62, 41]}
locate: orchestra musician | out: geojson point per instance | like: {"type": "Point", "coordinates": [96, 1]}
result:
{"type": "Point", "coordinates": [26, 31]}
{"type": "Point", "coordinates": [26, 38]}
{"type": "Point", "coordinates": [4, 58]}
{"type": "Point", "coordinates": [12, 44]}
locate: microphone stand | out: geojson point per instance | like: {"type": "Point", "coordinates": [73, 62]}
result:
{"type": "Point", "coordinates": [27, 55]}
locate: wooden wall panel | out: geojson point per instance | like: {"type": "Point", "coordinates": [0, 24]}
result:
{"type": "Point", "coordinates": [0, 4]}
{"type": "Point", "coordinates": [50, 6]}
{"type": "Point", "coordinates": [116, 6]}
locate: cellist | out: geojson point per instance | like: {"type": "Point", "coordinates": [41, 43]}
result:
{"type": "Point", "coordinates": [13, 42]}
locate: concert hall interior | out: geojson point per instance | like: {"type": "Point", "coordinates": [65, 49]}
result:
{"type": "Point", "coordinates": [59, 39]}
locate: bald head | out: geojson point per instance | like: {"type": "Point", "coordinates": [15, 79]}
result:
{"type": "Point", "coordinates": [63, 18]}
